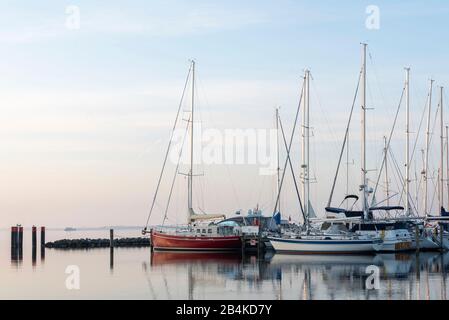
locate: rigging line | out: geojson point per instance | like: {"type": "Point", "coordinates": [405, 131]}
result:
{"type": "Point", "coordinates": [176, 173]}
{"type": "Point", "coordinates": [397, 174]}
{"type": "Point", "coordinates": [293, 172]}
{"type": "Point", "coordinates": [432, 133]}
{"type": "Point", "coordinates": [389, 142]}
{"type": "Point", "coordinates": [199, 111]}
{"type": "Point", "coordinates": [402, 184]}
{"type": "Point", "coordinates": [214, 124]}
{"type": "Point", "coordinates": [397, 167]}
{"type": "Point", "coordinates": [344, 141]}
{"type": "Point", "coordinates": [323, 113]}
{"type": "Point", "coordinates": [376, 75]}
{"type": "Point", "coordinates": [168, 148]}
{"type": "Point", "coordinates": [419, 129]}
{"type": "Point", "coordinates": [289, 148]}
{"type": "Point", "coordinates": [434, 193]}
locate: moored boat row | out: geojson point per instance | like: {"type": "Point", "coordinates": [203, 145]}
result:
{"type": "Point", "coordinates": [342, 231]}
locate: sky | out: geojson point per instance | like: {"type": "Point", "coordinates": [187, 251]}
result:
{"type": "Point", "coordinates": [89, 92]}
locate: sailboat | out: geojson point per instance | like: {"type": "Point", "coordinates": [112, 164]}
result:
{"type": "Point", "coordinates": [317, 241]}
{"type": "Point", "coordinates": [440, 234]}
{"type": "Point", "coordinates": [198, 235]}
{"type": "Point", "coordinates": [409, 231]}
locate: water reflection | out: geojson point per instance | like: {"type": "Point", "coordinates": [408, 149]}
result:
{"type": "Point", "coordinates": [403, 276]}
{"type": "Point", "coordinates": [111, 258]}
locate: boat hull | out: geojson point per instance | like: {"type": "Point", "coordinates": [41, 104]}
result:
{"type": "Point", "coordinates": [163, 241]}
{"type": "Point", "coordinates": [304, 246]}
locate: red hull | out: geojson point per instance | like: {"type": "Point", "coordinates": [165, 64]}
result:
{"type": "Point", "coordinates": [173, 258]}
{"type": "Point", "coordinates": [163, 241]}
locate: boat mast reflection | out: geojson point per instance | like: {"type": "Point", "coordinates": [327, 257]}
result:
{"type": "Point", "coordinates": [297, 276]}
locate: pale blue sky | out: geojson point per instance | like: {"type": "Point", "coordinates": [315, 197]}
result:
{"type": "Point", "coordinates": [85, 114]}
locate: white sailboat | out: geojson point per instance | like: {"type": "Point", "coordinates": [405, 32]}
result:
{"type": "Point", "coordinates": [330, 241]}
{"type": "Point", "coordinates": [398, 234]}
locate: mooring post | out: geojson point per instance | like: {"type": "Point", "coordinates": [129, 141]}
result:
{"type": "Point", "coordinates": [111, 238]}
{"type": "Point", "coordinates": [111, 258]}
{"type": "Point", "coordinates": [42, 236]}
{"type": "Point", "coordinates": [20, 237]}
{"type": "Point", "coordinates": [34, 237]}
{"type": "Point", "coordinates": [13, 237]}
{"type": "Point", "coordinates": [20, 242]}
{"type": "Point", "coordinates": [34, 244]}
{"type": "Point", "coordinates": [417, 238]}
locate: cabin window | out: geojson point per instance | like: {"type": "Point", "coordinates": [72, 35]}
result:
{"type": "Point", "coordinates": [209, 231]}
{"type": "Point", "coordinates": [198, 230]}
{"type": "Point", "coordinates": [204, 230]}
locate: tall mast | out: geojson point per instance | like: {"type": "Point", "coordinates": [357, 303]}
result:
{"type": "Point", "coordinates": [190, 182]}
{"type": "Point", "coordinates": [440, 173]}
{"type": "Point", "coordinates": [407, 144]}
{"type": "Point", "coordinates": [447, 163]}
{"type": "Point", "coordinates": [278, 169]}
{"type": "Point", "coordinates": [364, 186]}
{"type": "Point", "coordinates": [387, 189]}
{"type": "Point", "coordinates": [426, 160]}
{"type": "Point", "coordinates": [305, 147]}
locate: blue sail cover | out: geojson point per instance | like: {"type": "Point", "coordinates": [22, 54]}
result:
{"type": "Point", "coordinates": [277, 218]}
{"type": "Point", "coordinates": [444, 213]}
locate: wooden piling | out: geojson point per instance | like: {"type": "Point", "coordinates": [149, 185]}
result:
{"type": "Point", "coordinates": [42, 243]}
{"type": "Point", "coordinates": [111, 238]}
{"type": "Point", "coordinates": [441, 237]}
{"type": "Point", "coordinates": [111, 258]}
{"type": "Point", "coordinates": [14, 237]}
{"type": "Point", "coordinates": [20, 237]}
{"type": "Point", "coordinates": [34, 245]}
{"type": "Point", "coordinates": [34, 236]}
{"type": "Point", "coordinates": [42, 237]}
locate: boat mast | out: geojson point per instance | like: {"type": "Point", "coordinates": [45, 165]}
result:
{"type": "Point", "coordinates": [278, 208]}
{"type": "Point", "coordinates": [387, 189]}
{"type": "Point", "coordinates": [407, 144]}
{"type": "Point", "coordinates": [447, 162]}
{"type": "Point", "coordinates": [440, 173]}
{"type": "Point", "coordinates": [190, 176]}
{"type": "Point", "coordinates": [363, 186]}
{"type": "Point", "coordinates": [305, 148]}
{"type": "Point", "coordinates": [426, 160]}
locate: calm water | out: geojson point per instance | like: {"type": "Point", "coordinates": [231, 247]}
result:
{"type": "Point", "coordinates": [136, 274]}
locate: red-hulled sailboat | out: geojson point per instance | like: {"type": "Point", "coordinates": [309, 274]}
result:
{"type": "Point", "coordinates": [198, 235]}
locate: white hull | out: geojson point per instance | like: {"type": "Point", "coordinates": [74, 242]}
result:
{"type": "Point", "coordinates": [321, 246]}
{"type": "Point", "coordinates": [396, 240]}
{"type": "Point", "coordinates": [397, 246]}
{"type": "Point", "coordinates": [426, 243]}
{"type": "Point", "coordinates": [437, 240]}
